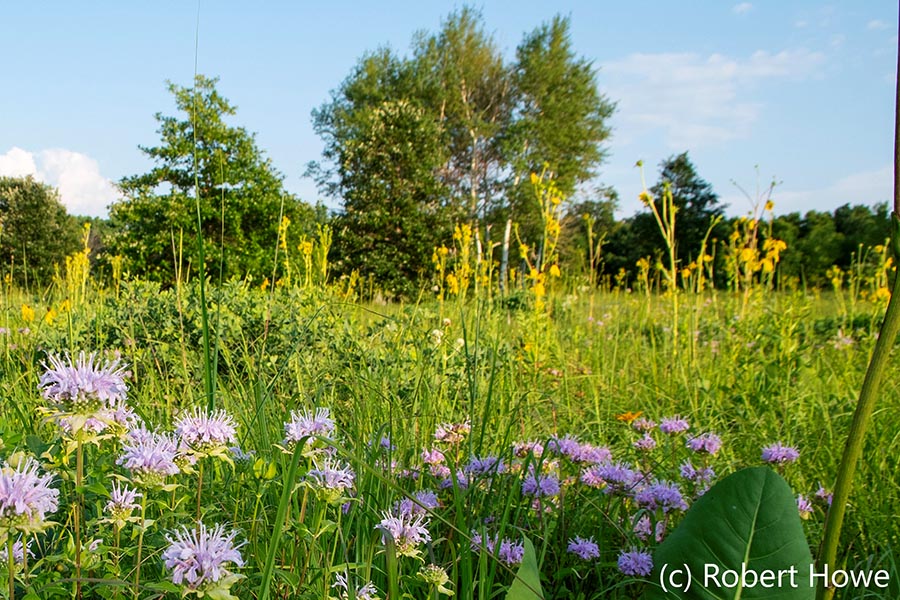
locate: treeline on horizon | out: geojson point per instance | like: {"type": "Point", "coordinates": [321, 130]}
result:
{"type": "Point", "coordinates": [415, 146]}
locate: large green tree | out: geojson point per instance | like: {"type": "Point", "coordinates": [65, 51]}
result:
{"type": "Point", "coordinates": [561, 117]}
{"type": "Point", "coordinates": [488, 122]}
{"type": "Point", "coordinates": [36, 232]}
{"type": "Point", "coordinates": [203, 162]}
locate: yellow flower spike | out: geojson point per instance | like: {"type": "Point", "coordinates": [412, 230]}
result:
{"type": "Point", "coordinates": [645, 197]}
{"type": "Point", "coordinates": [27, 313]}
{"type": "Point", "coordinates": [554, 271]}
{"type": "Point", "coordinates": [535, 179]}
{"type": "Point", "coordinates": [50, 316]}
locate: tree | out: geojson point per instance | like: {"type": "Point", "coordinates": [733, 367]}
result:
{"type": "Point", "coordinates": [240, 194]}
{"type": "Point", "coordinates": [696, 206]}
{"type": "Point", "coordinates": [491, 122]}
{"type": "Point", "coordinates": [36, 232]}
{"type": "Point", "coordinates": [561, 117]}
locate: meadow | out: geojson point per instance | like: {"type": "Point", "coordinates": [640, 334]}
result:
{"type": "Point", "coordinates": [539, 441]}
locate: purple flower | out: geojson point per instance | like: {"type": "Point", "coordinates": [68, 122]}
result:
{"type": "Point", "coordinates": [487, 466]}
{"type": "Point", "coordinates": [462, 480]}
{"type": "Point", "coordinates": [407, 532]}
{"type": "Point", "coordinates": [643, 529]}
{"type": "Point", "coordinates": [660, 495]}
{"type": "Point", "coordinates": [588, 454]}
{"type": "Point", "coordinates": [804, 506]}
{"type": "Point", "coordinates": [433, 457]}
{"type": "Point", "coordinates": [80, 389]}
{"type": "Point", "coordinates": [26, 497]}
{"type": "Point", "coordinates": [701, 477]}
{"type": "Point", "coordinates": [585, 549]}
{"type": "Point", "coordinates": [523, 449]}
{"type": "Point", "coordinates": [541, 485]}
{"type": "Point", "coordinates": [823, 495]}
{"type": "Point", "coordinates": [777, 454]}
{"type": "Point", "coordinates": [616, 476]}
{"type": "Point", "coordinates": [310, 425]}
{"type": "Point", "coordinates": [205, 432]}
{"type": "Point", "coordinates": [635, 563]}
{"type": "Point", "coordinates": [149, 456]}
{"type": "Point", "coordinates": [122, 502]}
{"type": "Point", "coordinates": [478, 543]}
{"type": "Point", "coordinates": [645, 444]}
{"type": "Point", "coordinates": [422, 502]}
{"type": "Point", "coordinates": [643, 425]}
{"type": "Point", "coordinates": [705, 443]}
{"type": "Point", "coordinates": [673, 425]}
{"type": "Point", "coordinates": [510, 552]}
{"type": "Point", "coordinates": [452, 433]}
{"type": "Point", "coordinates": [331, 480]}
{"type": "Point", "coordinates": [566, 445]}
{"type": "Point", "coordinates": [366, 592]}
{"type": "Point", "coordinates": [19, 550]}
{"type": "Point", "coordinates": [199, 557]}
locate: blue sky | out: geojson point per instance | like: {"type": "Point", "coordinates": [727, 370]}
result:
{"type": "Point", "coordinates": [802, 90]}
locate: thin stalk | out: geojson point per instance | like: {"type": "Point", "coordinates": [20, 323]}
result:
{"type": "Point", "coordinates": [393, 568]}
{"type": "Point", "coordinates": [79, 503]}
{"type": "Point", "coordinates": [11, 564]}
{"type": "Point", "coordinates": [140, 546]}
{"type": "Point", "coordinates": [869, 392]}
{"type": "Point", "coordinates": [275, 540]}
{"type": "Point", "coordinates": [199, 490]}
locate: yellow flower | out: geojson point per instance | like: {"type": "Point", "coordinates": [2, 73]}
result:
{"type": "Point", "coordinates": [769, 206]}
{"type": "Point", "coordinates": [645, 197]}
{"type": "Point", "coordinates": [265, 284]}
{"type": "Point", "coordinates": [554, 271]}
{"type": "Point", "coordinates": [27, 313]}
{"type": "Point", "coordinates": [50, 316]}
{"type": "Point", "coordinates": [452, 283]}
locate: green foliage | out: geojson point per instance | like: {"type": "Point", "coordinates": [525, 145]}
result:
{"type": "Point", "coordinates": [240, 195]}
{"type": "Point", "coordinates": [36, 232]}
{"type": "Point", "coordinates": [481, 126]}
{"type": "Point", "coordinates": [527, 584]}
{"type": "Point", "coordinates": [747, 521]}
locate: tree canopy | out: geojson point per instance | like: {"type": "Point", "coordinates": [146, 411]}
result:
{"type": "Point", "coordinates": [203, 163]}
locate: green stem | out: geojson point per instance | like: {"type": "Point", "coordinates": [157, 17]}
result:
{"type": "Point", "coordinates": [393, 568]}
{"type": "Point", "coordinates": [79, 503]}
{"type": "Point", "coordinates": [199, 490]}
{"type": "Point", "coordinates": [10, 561]}
{"type": "Point", "coordinates": [869, 392]}
{"type": "Point", "coordinates": [274, 541]}
{"type": "Point", "coordinates": [140, 547]}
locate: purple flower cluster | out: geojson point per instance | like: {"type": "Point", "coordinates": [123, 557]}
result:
{"type": "Point", "coordinates": [538, 485]}
{"type": "Point", "coordinates": [485, 467]}
{"type": "Point", "coordinates": [365, 592]}
{"type": "Point", "coordinates": [616, 477]}
{"type": "Point", "coordinates": [122, 502]}
{"type": "Point", "coordinates": [149, 456]}
{"type": "Point", "coordinates": [84, 390]}
{"type": "Point", "coordinates": [660, 495]}
{"type": "Point", "coordinates": [407, 532]}
{"type": "Point", "coordinates": [511, 553]}
{"type": "Point", "coordinates": [452, 433]}
{"type": "Point", "coordinates": [199, 558]}
{"type": "Point", "coordinates": [421, 502]}
{"type": "Point", "coordinates": [777, 454]}
{"type": "Point", "coordinates": [26, 497]}
{"type": "Point", "coordinates": [645, 444]}
{"type": "Point", "coordinates": [804, 506]}
{"type": "Point", "coordinates": [309, 424]}
{"type": "Point", "coordinates": [331, 480]}
{"type": "Point", "coordinates": [635, 563]}
{"type": "Point", "coordinates": [701, 477]}
{"type": "Point", "coordinates": [674, 425]}
{"type": "Point", "coordinates": [523, 449]}
{"type": "Point", "coordinates": [203, 432]}
{"type": "Point", "coordinates": [577, 451]}
{"type": "Point", "coordinates": [585, 549]}
{"type": "Point", "coordinates": [705, 443]}
{"type": "Point", "coordinates": [19, 550]}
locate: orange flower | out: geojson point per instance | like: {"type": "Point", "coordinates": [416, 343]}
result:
{"type": "Point", "coordinates": [629, 416]}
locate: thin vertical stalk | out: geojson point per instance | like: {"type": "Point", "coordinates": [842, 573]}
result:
{"type": "Point", "coordinates": [79, 504]}
{"type": "Point", "coordinates": [140, 547]}
{"type": "Point", "coordinates": [871, 384]}
{"type": "Point", "coordinates": [10, 561]}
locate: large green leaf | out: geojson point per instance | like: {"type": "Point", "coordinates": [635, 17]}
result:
{"type": "Point", "coordinates": [747, 523]}
{"type": "Point", "coordinates": [527, 584]}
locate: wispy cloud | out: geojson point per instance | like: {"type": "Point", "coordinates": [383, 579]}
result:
{"type": "Point", "coordinates": [82, 189]}
{"type": "Point", "coordinates": [695, 100]}
{"type": "Point", "coordinates": [877, 25]}
{"type": "Point", "coordinates": [742, 8]}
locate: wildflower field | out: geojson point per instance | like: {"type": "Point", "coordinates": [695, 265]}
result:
{"type": "Point", "coordinates": [304, 444]}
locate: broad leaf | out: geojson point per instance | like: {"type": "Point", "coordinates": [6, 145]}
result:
{"type": "Point", "coordinates": [527, 584]}
{"type": "Point", "coordinates": [747, 523]}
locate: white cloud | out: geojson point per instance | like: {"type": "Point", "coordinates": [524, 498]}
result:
{"type": "Point", "coordinates": [82, 189]}
{"type": "Point", "coordinates": [866, 187]}
{"type": "Point", "coordinates": [877, 25]}
{"type": "Point", "coordinates": [696, 101]}
{"type": "Point", "coordinates": [17, 163]}
{"type": "Point", "coordinates": [742, 8]}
